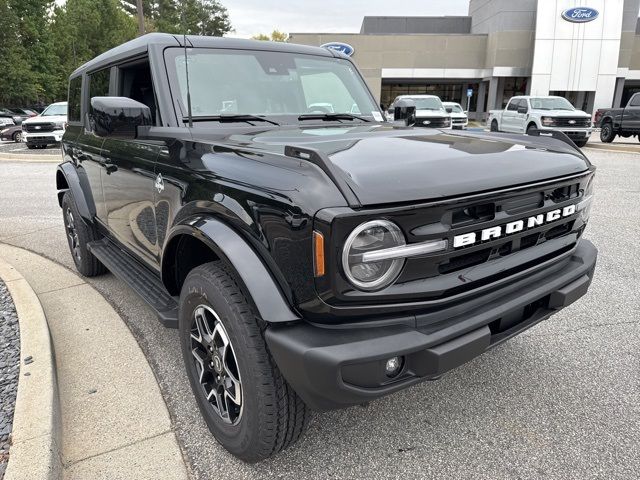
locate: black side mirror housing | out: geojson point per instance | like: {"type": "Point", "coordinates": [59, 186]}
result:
{"type": "Point", "coordinates": [523, 109]}
{"type": "Point", "coordinates": [118, 117]}
{"type": "Point", "coordinates": [405, 111]}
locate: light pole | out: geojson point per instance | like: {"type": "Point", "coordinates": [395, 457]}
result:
{"type": "Point", "coordinates": [140, 17]}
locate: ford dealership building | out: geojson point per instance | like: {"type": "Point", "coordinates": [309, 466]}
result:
{"type": "Point", "coordinates": [585, 50]}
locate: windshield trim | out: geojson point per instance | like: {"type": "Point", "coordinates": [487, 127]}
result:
{"type": "Point", "coordinates": [180, 110]}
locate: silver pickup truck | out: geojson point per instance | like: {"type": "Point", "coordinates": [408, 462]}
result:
{"type": "Point", "coordinates": [525, 113]}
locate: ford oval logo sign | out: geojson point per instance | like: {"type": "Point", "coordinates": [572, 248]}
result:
{"type": "Point", "coordinates": [340, 47]}
{"type": "Point", "coordinates": [580, 14]}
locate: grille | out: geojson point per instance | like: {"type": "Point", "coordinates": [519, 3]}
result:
{"type": "Point", "coordinates": [578, 122]}
{"type": "Point", "coordinates": [434, 122]}
{"type": "Point", "coordinates": [39, 127]}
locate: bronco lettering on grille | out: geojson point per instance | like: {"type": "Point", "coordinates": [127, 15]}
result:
{"type": "Point", "coordinates": [492, 233]}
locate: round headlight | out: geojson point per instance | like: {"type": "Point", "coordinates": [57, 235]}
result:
{"type": "Point", "coordinates": [368, 237]}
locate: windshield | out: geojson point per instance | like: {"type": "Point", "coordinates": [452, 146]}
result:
{"type": "Point", "coordinates": [239, 82]}
{"type": "Point", "coordinates": [551, 103]}
{"type": "Point", "coordinates": [51, 110]}
{"type": "Point", "coordinates": [426, 103]}
{"type": "Point", "coordinates": [455, 108]}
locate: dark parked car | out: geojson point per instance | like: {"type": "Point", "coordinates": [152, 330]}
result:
{"type": "Point", "coordinates": [310, 258]}
{"type": "Point", "coordinates": [12, 132]}
{"type": "Point", "coordinates": [17, 114]}
{"type": "Point", "coordinates": [620, 121]}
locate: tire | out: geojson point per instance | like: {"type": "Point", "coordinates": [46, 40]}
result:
{"type": "Point", "coordinates": [269, 415]}
{"type": "Point", "coordinates": [79, 234]}
{"type": "Point", "coordinates": [530, 127]}
{"type": "Point", "coordinates": [606, 133]}
{"type": "Point", "coordinates": [580, 143]}
{"type": "Point", "coordinates": [494, 126]}
{"type": "Point", "coordinates": [17, 137]}
{"type": "Point", "coordinates": [31, 146]}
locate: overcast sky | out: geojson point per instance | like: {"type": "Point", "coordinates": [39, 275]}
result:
{"type": "Point", "coordinates": [250, 17]}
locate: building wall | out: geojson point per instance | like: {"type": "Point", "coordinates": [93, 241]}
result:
{"type": "Point", "coordinates": [400, 25]}
{"type": "Point", "coordinates": [577, 56]}
{"type": "Point", "coordinates": [502, 15]}
{"type": "Point", "coordinates": [409, 56]}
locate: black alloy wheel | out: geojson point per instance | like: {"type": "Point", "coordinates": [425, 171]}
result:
{"type": "Point", "coordinates": [606, 133]}
{"type": "Point", "coordinates": [216, 363]}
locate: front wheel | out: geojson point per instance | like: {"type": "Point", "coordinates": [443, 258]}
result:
{"type": "Point", "coordinates": [580, 143]}
{"type": "Point", "coordinates": [494, 126]}
{"type": "Point", "coordinates": [606, 133]}
{"type": "Point", "coordinates": [247, 404]}
{"type": "Point", "coordinates": [17, 137]}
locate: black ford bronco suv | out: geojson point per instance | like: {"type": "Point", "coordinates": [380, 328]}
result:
{"type": "Point", "coordinates": [311, 254]}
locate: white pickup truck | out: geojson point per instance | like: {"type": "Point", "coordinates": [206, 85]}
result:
{"type": "Point", "coordinates": [525, 113]}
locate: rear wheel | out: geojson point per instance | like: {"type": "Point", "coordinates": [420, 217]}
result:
{"type": "Point", "coordinates": [246, 402]}
{"type": "Point", "coordinates": [78, 236]}
{"type": "Point", "coordinates": [606, 133]}
{"type": "Point", "coordinates": [494, 126]}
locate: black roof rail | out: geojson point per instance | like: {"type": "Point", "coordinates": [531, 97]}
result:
{"type": "Point", "coordinates": [322, 161]}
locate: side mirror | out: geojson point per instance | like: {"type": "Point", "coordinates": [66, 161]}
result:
{"type": "Point", "coordinates": [449, 109]}
{"type": "Point", "coordinates": [118, 117]}
{"type": "Point", "coordinates": [405, 111]}
{"type": "Point", "coordinates": [523, 109]}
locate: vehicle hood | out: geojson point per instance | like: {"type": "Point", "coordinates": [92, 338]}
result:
{"type": "Point", "coordinates": [458, 115]}
{"type": "Point", "coordinates": [562, 113]}
{"type": "Point", "coordinates": [48, 118]}
{"type": "Point", "coordinates": [383, 164]}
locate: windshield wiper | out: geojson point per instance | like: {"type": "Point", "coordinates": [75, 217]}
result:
{"type": "Point", "coordinates": [240, 117]}
{"type": "Point", "coordinates": [331, 116]}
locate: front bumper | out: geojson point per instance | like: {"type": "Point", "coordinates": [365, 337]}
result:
{"type": "Point", "coordinates": [339, 366]}
{"type": "Point", "coordinates": [573, 133]}
{"type": "Point", "coordinates": [45, 138]}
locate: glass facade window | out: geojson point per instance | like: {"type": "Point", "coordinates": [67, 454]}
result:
{"type": "Point", "coordinates": [448, 92]}
{"type": "Point", "coordinates": [514, 87]}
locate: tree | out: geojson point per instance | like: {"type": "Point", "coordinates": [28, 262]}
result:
{"type": "Point", "coordinates": [276, 36]}
{"type": "Point", "coordinates": [26, 52]}
{"type": "Point", "coordinates": [193, 17]}
{"type": "Point", "coordinates": [83, 29]}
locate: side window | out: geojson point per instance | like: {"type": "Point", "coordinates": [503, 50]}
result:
{"type": "Point", "coordinates": [99, 83]}
{"type": "Point", "coordinates": [635, 100]}
{"type": "Point", "coordinates": [134, 81]}
{"type": "Point", "coordinates": [75, 99]}
{"type": "Point", "coordinates": [513, 105]}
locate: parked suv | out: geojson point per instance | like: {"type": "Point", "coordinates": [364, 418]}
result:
{"type": "Point", "coordinates": [310, 260]}
{"type": "Point", "coordinates": [545, 114]}
{"type": "Point", "coordinates": [47, 128]}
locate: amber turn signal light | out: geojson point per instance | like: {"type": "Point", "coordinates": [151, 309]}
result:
{"type": "Point", "coordinates": [318, 254]}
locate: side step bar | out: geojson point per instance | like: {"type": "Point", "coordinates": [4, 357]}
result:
{"type": "Point", "coordinates": [139, 278]}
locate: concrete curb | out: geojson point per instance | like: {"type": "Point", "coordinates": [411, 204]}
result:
{"type": "Point", "coordinates": [35, 449]}
{"type": "Point", "coordinates": [20, 157]}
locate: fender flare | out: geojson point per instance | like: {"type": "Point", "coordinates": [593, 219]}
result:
{"type": "Point", "coordinates": [264, 292]}
{"type": "Point", "coordinates": [76, 181]}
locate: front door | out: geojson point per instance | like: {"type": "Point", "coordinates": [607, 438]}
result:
{"type": "Point", "coordinates": [631, 118]}
{"type": "Point", "coordinates": [129, 179]}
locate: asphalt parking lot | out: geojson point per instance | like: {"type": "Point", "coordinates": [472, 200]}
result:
{"type": "Point", "coordinates": [561, 401]}
{"type": "Point", "coordinates": [14, 148]}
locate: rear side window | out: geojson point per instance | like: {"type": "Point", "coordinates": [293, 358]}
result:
{"type": "Point", "coordinates": [635, 101]}
{"type": "Point", "coordinates": [75, 99]}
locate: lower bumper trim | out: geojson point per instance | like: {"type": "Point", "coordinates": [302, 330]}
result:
{"type": "Point", "coordinates": [338, 367]}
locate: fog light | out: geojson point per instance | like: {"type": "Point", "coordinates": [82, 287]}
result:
{"type": "Point", "coordinates": [393, 367]}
